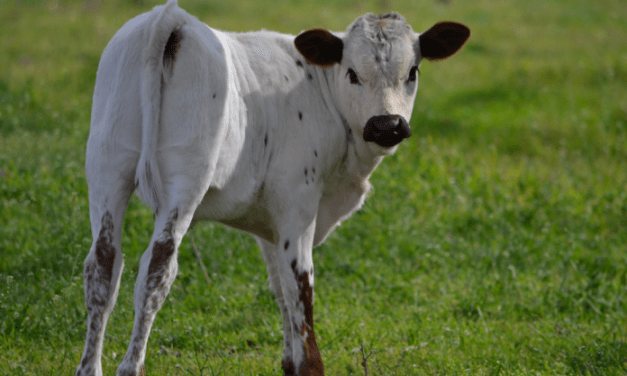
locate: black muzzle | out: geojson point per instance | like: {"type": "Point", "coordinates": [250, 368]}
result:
{"type": "Point", "coordinates": [386, 130]}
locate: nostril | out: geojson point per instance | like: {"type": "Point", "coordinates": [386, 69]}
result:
{"type": "Point", "coordinates": [387, 122]}
{"type": "Point", "coordinates": [386, 130]}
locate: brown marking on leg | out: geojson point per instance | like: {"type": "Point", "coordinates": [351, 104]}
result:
{"type": "Point", "coordinates": [97, 276]}
{"type": "Point", "coordinates": [85, 362]}
{"type": "Point", "coordinates": [158, 270]}
{"type": "Point", "coordinates": [158, 280]}
{"type": "Point", "coordinates": [105, 252]}
{"type": "Point", "coordinates": [312, 365]}
{"type": "Point", "coordinates": [288, 367]}
{"type": "Point", "coordinates": [163, 249]}
{"type": "Point", "coordinates": [161, 253]}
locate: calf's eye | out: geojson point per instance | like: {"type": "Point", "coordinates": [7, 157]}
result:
{"type": "Point", "coordinates": [412, 74]}
{"type": "Point", "coordinates": [352, 76]}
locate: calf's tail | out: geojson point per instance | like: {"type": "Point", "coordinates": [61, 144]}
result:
{"type": "Point", "coordinates": [162, 35]}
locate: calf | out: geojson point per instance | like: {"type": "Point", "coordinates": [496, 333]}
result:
{"type": "Point", "coordinates": [267, 133]}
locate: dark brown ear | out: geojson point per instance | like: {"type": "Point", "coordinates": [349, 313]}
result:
{"type": "Point", "coordinates": [319, 47]}
{"type": "Point", "coordinates": [443, 40]}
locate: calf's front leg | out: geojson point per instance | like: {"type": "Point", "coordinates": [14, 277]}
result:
{"type": "Point", "coordinates": [290, 267]}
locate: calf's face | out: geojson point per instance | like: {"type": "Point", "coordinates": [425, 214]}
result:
{"type": "Point", "coordinates": [375, 68]}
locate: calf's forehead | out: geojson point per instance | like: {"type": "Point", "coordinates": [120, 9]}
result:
{"type": "Point", "coordinates": [381, 45]}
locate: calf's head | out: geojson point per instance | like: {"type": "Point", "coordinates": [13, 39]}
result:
{"type": "Point", "coordinates": [375, 71]}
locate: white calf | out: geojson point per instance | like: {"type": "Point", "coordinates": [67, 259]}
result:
{"type": "Point", "coordinates": [270, 134]}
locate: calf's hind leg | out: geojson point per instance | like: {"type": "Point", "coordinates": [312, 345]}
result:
{"type": "Point", "coordinates": [158, 267]}
{"type": "Point", "coordinates": [157, 271]}
{"type": "Point", "coordinates": [103, 265]}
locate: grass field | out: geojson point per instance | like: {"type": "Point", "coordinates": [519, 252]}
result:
{"type": "Point", "coordinates": [494, 243]}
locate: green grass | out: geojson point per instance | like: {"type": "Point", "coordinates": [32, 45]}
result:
{"type": "Point", "coordinates": [494, 242]}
